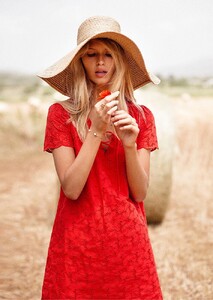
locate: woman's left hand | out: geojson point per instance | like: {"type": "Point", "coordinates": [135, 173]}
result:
{"type": "Point", "coordinates": [126, 127]}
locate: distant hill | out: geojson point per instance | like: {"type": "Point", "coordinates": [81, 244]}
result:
{"type": "Point", "coordinates": [200, 68]}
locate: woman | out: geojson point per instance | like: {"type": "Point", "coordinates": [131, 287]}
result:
{"type": "Point", "coordinates": [101, 144]}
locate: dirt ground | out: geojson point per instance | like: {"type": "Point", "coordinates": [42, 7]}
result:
{"type": "Point", "coordinates": [182, 244]}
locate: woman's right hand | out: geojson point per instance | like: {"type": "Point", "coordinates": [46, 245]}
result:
{"type": "Point", "coordinates": [103, 111]}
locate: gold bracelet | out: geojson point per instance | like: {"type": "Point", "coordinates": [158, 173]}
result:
{"type": "Point", "coordinates": [95, 134]}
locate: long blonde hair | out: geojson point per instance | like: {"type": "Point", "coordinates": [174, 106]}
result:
{"type": "Point", "coordinates": [81, 89]}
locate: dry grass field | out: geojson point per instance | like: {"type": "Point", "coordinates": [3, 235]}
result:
{"type": "Point", "coordinates": [182, 243]}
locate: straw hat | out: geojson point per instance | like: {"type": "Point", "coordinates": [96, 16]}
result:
{"type": "Point", "coordinates": [58, 75]}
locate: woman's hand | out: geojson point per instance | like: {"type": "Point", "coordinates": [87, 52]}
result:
{"type": "Point", "coordinates": [126, 127]}
{"type": "Point", "coordinates": [103, 110]}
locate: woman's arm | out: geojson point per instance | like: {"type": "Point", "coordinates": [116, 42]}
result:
{"type": "Point", "coordinates": [137, 166]}
{"type": "Point", "coordinates": [74, 171]}
{"type": "Point", "coordinates": [137, 161]}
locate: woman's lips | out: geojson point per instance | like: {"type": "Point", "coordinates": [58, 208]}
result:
{"type": "Point", "coordinates": [100, 74]}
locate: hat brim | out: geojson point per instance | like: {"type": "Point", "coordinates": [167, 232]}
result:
{"type": "Point", "coordinates": [57, 75]}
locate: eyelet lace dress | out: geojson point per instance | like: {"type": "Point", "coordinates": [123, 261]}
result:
{"type": "Point", "coordinates": [99, 246]}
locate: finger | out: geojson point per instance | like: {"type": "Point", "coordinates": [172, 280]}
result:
{"type": "Point", "coordinates": [109, 108]}
{"type": "Point", "coordinates": [122, 122]}
{"type": "Point", "coordinates": [134, 122]}
{"type": "Point", "coordinates": [112, 96]}
{"type": "Point", "coordinates": [125, 121]}
{"type": "Point", "coordinates": [111, 104]}
{"type": "Point", "coordinates": [101, 105]}
{"type": "Point", "coordinates": [131, 127]}
{"type": "Point", "coordinates": [112, 110]}
{"type": "Point", "coordinates": [121, 112]}
{"type": "Point", "coordinates": [121, 116]}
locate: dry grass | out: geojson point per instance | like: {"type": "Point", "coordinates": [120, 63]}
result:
{"type": "Point", "coordinates": [181, 243]}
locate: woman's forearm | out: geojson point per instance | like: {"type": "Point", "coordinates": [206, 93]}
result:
{"type": "Point", "coordinates": [77, 173]}
{"type": "Point", "coordinates": [137, 177]}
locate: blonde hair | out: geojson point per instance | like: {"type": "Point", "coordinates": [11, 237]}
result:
{"type": "Point", "coordinates": [81, 89]}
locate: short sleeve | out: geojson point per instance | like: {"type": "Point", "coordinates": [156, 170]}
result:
{"type": "Point", "coordinates": [147, 137]}
{"type": "Point", "coordinates": [58, 129]}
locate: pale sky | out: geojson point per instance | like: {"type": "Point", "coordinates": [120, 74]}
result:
{"type": "Point", "coordinates": [36, 33]}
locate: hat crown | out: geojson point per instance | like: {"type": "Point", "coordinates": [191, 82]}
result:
{"type": "Point", "coordinates": [96, 25]}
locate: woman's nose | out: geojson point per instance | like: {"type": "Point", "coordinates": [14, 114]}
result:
{"type": "Point", "coordinates": [100, 60]}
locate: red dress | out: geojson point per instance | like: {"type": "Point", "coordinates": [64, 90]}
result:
{"type": "Point", "coordinates": [99, 247]}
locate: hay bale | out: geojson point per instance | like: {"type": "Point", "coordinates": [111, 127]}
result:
{"type": "Point", "coordinates": [158, 196]}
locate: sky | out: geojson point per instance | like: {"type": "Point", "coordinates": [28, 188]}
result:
{"type": "Point", "coordinates": [170, 33]}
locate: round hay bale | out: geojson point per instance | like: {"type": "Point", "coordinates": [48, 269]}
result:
{"type": "Point", "coordinates": [158, 196]}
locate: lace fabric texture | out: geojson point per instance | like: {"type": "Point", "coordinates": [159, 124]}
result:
{"type": "Point", "coordinates": [99, 246]}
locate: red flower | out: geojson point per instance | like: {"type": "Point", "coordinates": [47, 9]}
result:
{"type": "Point", "coordinates": [103, 94]}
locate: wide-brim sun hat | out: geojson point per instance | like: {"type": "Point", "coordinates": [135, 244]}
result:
{"type": "Point", "coordinates": [58, 75]}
